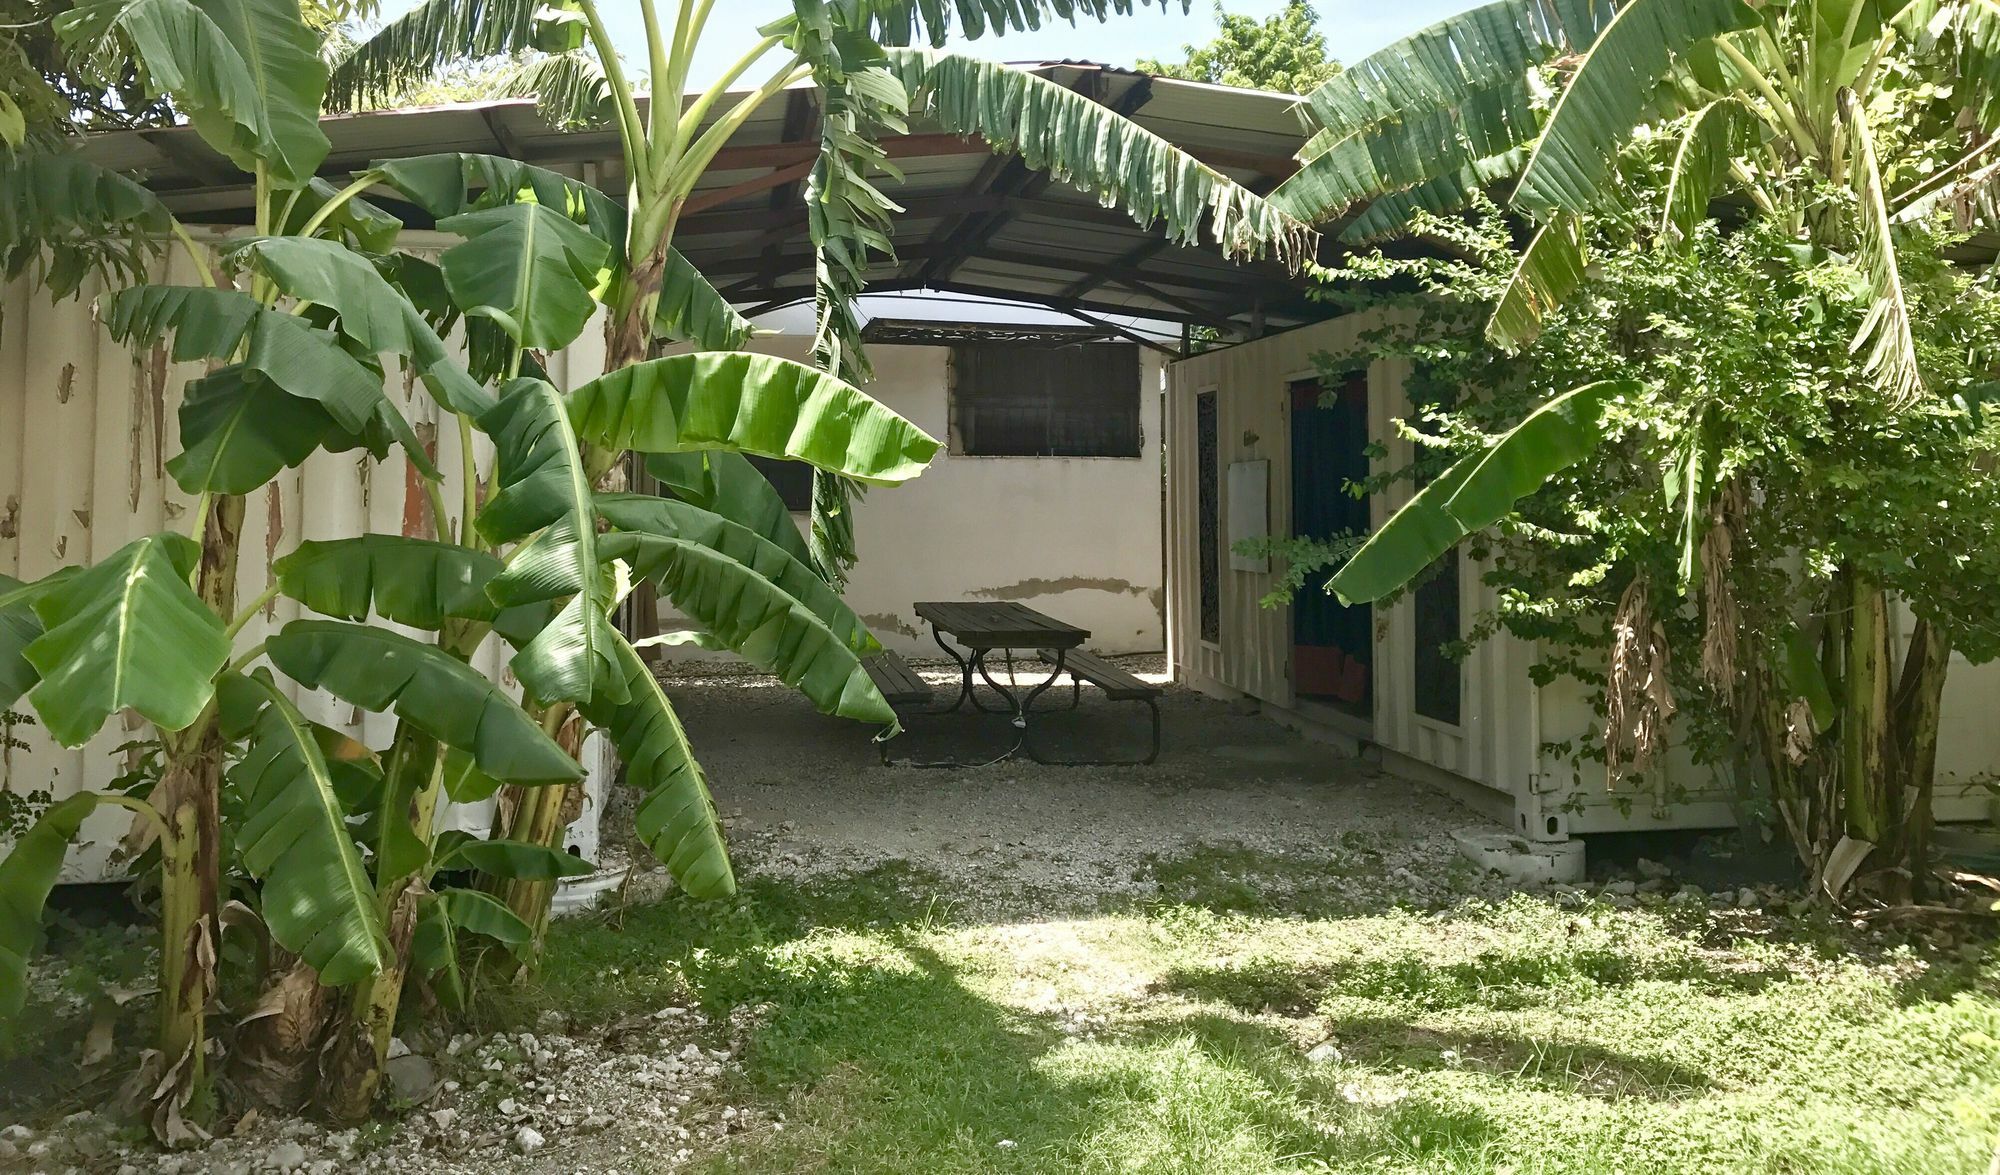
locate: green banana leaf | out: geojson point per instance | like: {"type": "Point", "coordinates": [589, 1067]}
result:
{"type": "Point", "coordinates": [285, 349]}
{"type": "Point", "coordinates": [27, 874]}
{"type": "Point", "coordinates": [19, 626]}
{"type": "Point", "coordinates": [757, 619]}
{"type": "Point", "coordinates": [1550, 270]}
{"type": "Point", "coordinates": [527, 267]}
{"type": "Point", "coordinates": [480, 914]}
{"type": "Point", "coordinates": [410, 581]}
{"type": "Point", "coordinates": [1090, 146]}
{"type": "Point", "coordinates": [450, 183]}
{"type": "Point", "coordinates": [293, 835]}
{"type": "Point", "coordinates": [541, 486]}
{"type": "Point", "coordinates": [676, 817]}
{"type": "Point", "coordinates": [1475, 492]}
{"type": "Point", "coordinates": [384, 671]}
{"type": "Point", "coordinates": [238, 432]}
{"type": "Point", "coordinates": [1702, 162]}
{"type": "Point", "coordinates": [725, 483]}
{"type": "Point", "coordinates": [514, 860]}
{"type": "Point", "coordinates": [1398, 154]}
{"type": "Point", "coordinates": [464, 782]}
{"type": "Point", "coordinates": [246, 73]}
{"type": "Point", "coordinates": [669, 518]}
{"type": "Point", "coordinates": [1611, 93]}
{"type": "Point", "coordinates": [63, 218]}
{"type": "Point", "coordinates": [693, 311]}
{"type": "Point", "coordinates": [128, 632]}
{"type": "Point", "coordinates": [360, 224]}
{"type": "Point", "coordinates": [749, 403]}
{"type": "Point", "coordinates": [372, 312]}
{"type": "Point", "coordinates": [434, 953]}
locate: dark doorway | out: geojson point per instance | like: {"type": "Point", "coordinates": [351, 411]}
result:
{"type": "Point", "coordinates": [1332, 645]}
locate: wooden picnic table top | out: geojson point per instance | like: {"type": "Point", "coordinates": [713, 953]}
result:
{"type": "Point", "coordinates": [1000, 625]}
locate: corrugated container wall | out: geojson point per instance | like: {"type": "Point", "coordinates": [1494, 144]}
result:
{"type": "Point", "coordinates": [86, 429]}
{"type": "Point", "coordinates": [1509, 728]}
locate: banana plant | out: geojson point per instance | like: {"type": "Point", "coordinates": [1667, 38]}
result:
{"type": "Point", "coordinates": [1845, 122]}
{"type": "Point", "coordinates": [301, 323]}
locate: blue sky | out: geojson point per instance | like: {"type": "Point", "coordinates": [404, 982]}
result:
{"type": "Point", "coordinates": [1353, 28]}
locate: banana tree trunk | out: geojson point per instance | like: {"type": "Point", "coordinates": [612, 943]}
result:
{"type": "Point", "coordinates": [189, 797]}
{"type": "Point", "coordinates": [360, 1044]}
{"type": "Point", "coordinates": [540, 815]}
{"type": "Point", "coordinates": [1918, 704]}
{"type": "Point", "coordinates": [1864, 720]}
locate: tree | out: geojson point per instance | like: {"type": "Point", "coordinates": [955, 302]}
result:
{"type": "Point", "coordinates": [1805, 118]}
{"type": "Point", "coordinates": [1285, 53]}
{"type": "Point", "coordinates": [336, 841]}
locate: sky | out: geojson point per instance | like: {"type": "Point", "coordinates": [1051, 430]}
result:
{"type": "Point", "coordinates": [1353, 29]}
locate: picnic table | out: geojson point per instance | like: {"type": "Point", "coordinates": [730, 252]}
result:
{"type": "Point", "coordinates": [983, 626]}
{"type": "Point", "coordinates": [979, 628]}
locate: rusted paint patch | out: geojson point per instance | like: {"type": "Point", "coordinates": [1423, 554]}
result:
{"type": "Point", "coordinates": [889, 622]}
{"type": "Point", "coordinates": [156, 394]}
{"type": "Point", "coordinates": [82, 517]}
{"type": "Point", "coordinates": [10, 518]}
{"type": "Point", "coordinates": [417, 514]}
{"type": "Point", "coordinates": [66, 384]}
{"type": "Point", "coordinates": [135, 436]}
{"type": "Point", "coordinates": [274, 530]}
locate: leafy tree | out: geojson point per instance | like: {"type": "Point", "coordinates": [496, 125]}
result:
{"type": "Point", "coordinates": [1834, 127]}
{"type": "Point", "coordinates": [1285, 53]}
{"type": "Point", "coordinates": [335, 843]}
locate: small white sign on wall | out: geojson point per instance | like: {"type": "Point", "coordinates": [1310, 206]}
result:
{"type": "Point", "coordinates": [1249, 511]}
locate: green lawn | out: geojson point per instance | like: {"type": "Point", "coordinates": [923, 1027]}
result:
{"type": "Point", "coordinates": [1524, 1037]}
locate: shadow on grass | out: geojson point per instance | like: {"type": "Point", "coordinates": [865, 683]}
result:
{"type": "Point", "coordinates": [885, 1055]}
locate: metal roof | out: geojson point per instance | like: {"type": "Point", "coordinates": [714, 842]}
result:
{"type": "Point", "coordinates": [974, 222]}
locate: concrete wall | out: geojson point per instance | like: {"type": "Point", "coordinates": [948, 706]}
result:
{"type": "Point", "coordinates": [1076, 537]}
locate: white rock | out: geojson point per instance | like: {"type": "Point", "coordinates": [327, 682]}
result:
{"type": "Point", "coordinates": [1006, 1144]}
{"type": "Point", "coordinates": [1323, 1053]}
{"type": "Point", "coordinates": [1652, 870]}
{"type": "Point", "coordinates": [444, 1118]}
{"type": "Point", "coordinates": [397, 1048]}
{"type": "Point", "coordinates": [528, 1140]}
{"type": "Point", "coordinates": [1746, 898]}
{"type": "Point", "coordinates": [17, 1133]}
{"type": "Point", "coordinates": [508, 1107]}
{"type": "Point", "coordinates": [286, 1156]}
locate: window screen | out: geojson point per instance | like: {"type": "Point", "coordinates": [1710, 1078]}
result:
{"type": "Point", "coordinates": [1208, 504]}
{"type": "Point", "coordinates": [792, 479]}
{"type": "Point", "coordinates": [1010, 400]}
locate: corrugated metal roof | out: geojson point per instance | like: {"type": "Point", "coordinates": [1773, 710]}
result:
{"type": "Point", "coordinates": [974, 222]}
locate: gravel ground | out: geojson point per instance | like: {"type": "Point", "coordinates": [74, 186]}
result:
{"type": "Point", "coordinates": [807, 796]}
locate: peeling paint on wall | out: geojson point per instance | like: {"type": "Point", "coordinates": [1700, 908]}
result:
{"type": "Point", "coordinates": [1028, 589]}
{"type": "Point", "coordinates": [274, 530]}
{"type": "Point", "coordinates": [66, 383]}
{"type": "Point", "coordinates": [890, 622]}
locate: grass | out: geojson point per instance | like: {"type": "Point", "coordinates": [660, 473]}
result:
{"type": "Point", "coordinates": [1179, 1036]}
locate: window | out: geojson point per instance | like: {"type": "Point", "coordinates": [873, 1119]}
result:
{"type": "Point", "coordinates": [792, 479]}
{"type": "Point", "coordinates": [1019, 400]}
{"type": "Point", "coordinates": [1208, 504]}
{"type": "Point", "coordinates": [1437, 672]}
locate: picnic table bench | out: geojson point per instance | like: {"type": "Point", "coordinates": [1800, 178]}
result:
{"type": "Point", "coordinates": [983, 627]}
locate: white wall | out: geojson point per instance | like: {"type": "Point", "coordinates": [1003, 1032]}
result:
{"type": "Point", "coordinates": [1076, 537]}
